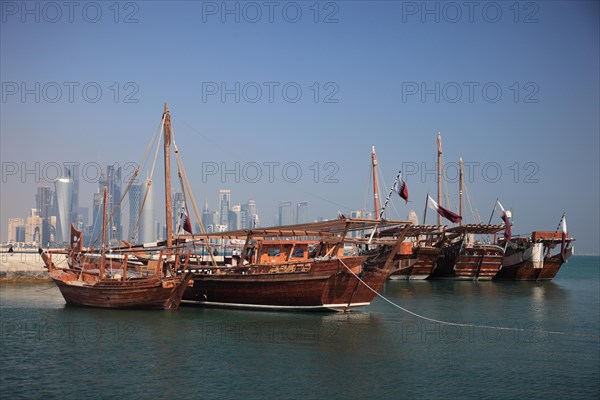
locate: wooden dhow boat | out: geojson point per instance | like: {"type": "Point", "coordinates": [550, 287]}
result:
{"type": "Point", "coordinates": [462, 256]}
{"type": "Point", "coordinates": [297, 268]}
{"type": "Point", "coordinates": [86, 281]}
{"type": "Point", "coordinates": [533, 257]}
{"type": "Point", "coordinates": [418, 253]}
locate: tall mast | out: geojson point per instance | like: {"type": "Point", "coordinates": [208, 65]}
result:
{"type": "Point", "coordinates": [375, 187]}
{"type": "Point", "coordinates": [168, 207]}
{"type": "Point", "coordinates": [103, 258]}
{"type": "Point", "coordinates": [460, 188]}
{"type": "Point", "coordinates": [439, 174]}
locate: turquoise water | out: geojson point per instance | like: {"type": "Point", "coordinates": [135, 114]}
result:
{"type": "Point", "coordinates": [52, 351]}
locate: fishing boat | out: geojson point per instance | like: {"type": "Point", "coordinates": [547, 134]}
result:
{"type": "Point", "coordinates": [533, 257]}
{"type": "Point", "coordinates": [297, 267]}
{"type": "Point", "coordinates": [94, 280]}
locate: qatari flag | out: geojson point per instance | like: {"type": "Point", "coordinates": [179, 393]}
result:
{"type": "Point", "coordinates": [341, 216]}
{"type": "Point", "coordinates": [400, 188]}
{"type": "Point", "coordinates": [449, 215]}
{"type": "Point", "coordinates": [187, 225]}
{"type": "Point", "coordinates": [506, 218]}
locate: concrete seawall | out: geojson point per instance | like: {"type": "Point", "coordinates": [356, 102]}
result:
{"type": "Point", "coordinates": [25, 267]}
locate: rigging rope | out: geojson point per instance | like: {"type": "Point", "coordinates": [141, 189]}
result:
{"type": "Point", "coordinates": [455, 323]}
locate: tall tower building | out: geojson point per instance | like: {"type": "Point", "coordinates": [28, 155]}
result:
{"type": "Point", "coordinates": [113, 182]}
{"type": "Point", "coordinates": [71, 172]}
{"type": "Point", "coordinates": [43, 204]}
{"type": "Point", "coordinates": [286, 213]}
{"type": "Point", "coordinates": [135, 204]}
{"type": "Point", "coordinates": [224, 202]}
{"type": "Point", "coordinates": [96, 219]}
{"type": "Point", "coordinates": [235, 217]}
{"type": "Point", "coordinates": [302, 212]}
{"type": "Point", "coordinates": [148, 231]}
{"type": "Point", "coordinates": [63, 190]}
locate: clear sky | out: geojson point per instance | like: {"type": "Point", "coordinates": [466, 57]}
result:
{"type": "Point", "coordinates": [512, 86]}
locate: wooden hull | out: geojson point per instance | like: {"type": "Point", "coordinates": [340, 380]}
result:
{"type": "Point", "coordinates": [327, 285]}
{"type": "Point", "coordinates": [468, 263]}
{"type": "Point", "coordinates": [524, 271]}
{"type": "Point", "coordinates": [416, 266]}
{"type": "Point", "coordinates": [152, 293]}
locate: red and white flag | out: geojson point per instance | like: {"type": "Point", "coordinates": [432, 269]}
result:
{"type": "Point", "coordinates": [400, 188]}
{"type": "Point", "coordinates": [341, 216]}
{"type": "Point", "coordinates": [449, 215]}
{"type": "Point", "coordinates": [187, 225]}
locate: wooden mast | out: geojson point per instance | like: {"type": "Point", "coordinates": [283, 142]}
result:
{"type": "Point", "coordinates": [460, 188]}
{"type": "Point", "coordinates": [375, 186]}
{"type": "Point", "coordinates": [103, 257]}
{"type": "Point", "coordinates": [167, 157]}
{"type": "Point", "coordinates": [439, 175]}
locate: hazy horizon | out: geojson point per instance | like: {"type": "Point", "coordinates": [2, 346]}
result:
{"type": "Point", "coordinates": [299, 92]}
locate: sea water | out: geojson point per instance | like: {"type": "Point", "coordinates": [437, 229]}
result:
{"type": "Point", "coordinates": [550, 349]}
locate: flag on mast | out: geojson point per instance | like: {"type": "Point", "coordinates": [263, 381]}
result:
{"type": "Point", "coordinates": [564, 236]}
{"type": "Point", "coordinates": [506, 215]}
{"type": "Point", "coordinates": [449, 215]}
{"type": "Point", "coordinates": [400, 187]}
{"type": "Point", "coordinates": [187, 225]}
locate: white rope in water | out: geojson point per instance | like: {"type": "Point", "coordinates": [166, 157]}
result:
{"type": "Point", "coordinates": [455, 323]}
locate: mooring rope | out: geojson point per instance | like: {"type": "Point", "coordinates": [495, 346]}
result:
{"type": "Point", "coordinates": [456, 323]}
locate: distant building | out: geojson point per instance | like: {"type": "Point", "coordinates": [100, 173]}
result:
{"type": "Point", "coordinates": [249, 217]}
{"type": "Point", "coordinates": [13, 225]}
{"type": "Point", "coordinates": [412, 217]}
{"type": "Point", "coordinates": [63, 191]}
{"type": "Point", "coordinates": [235, 217]}
{"type": "Point", "coordinates": [209, 219]}
{"type": "Point", "coordinates": [33, 227]}
{"type": "Point", "coordinates": [149, 228]}
{"type": "Point", "coordinates": [43, 204]}
{"type": "Point", "coordinates": [286, 213]}
{"type": "Point", "coordinates": [135, 204]}
{"type": "Point", "coordinates": [96, 227]}
{"type": "Point", "coordinates": [224, 202]}
{"type": "Point", "coordinates": [302, 212]}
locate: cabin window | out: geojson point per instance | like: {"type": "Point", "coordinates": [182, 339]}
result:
{"type": "Point", "coordinates": [298, 253]}
{"type": "Point", "coordinates": [273, 251]}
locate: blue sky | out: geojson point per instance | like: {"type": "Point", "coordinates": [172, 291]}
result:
{"type": "Point", "coordinates": [362, 69]}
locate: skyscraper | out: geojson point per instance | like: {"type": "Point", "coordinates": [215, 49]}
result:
{"type": "Point", "coordinates": [235, 217]}
{"type": "Point", "coordinates": [63, 190]}
{"type": "Point", "coordinates": [43, 204]}
{"type": "Point", "coordinates": [113, 182]}
{"type": "Point", "coordinates": [302, 212]}
{"type": "Point", "coordinates": [148, 225]}
{"type": "Point", "coordinates": [248, 215]}
{"type": "Point", "coordinates": [224, 202]}
{"type": "Point", "coordinates": [286, 213]}
{"type": "Point", "coordinates": [96, 219]}
{"type": "Point", "coordinates": [135, 204]}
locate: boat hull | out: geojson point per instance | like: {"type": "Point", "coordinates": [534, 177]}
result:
{"type": "Point", "coordinates": [468, 263]}
{"type": "Point", "coordinates": [416, 266]}
{"type": "Point", "coordinates": [143, 293]}
{"type": "Point", "coordinates": [327, 285]}
{"type": "Point", "coordinates": [525, 271]}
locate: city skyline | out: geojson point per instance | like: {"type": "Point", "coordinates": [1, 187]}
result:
{"type": "Point", "coordinates": [288, 110]}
